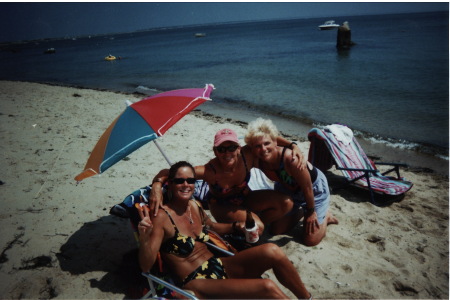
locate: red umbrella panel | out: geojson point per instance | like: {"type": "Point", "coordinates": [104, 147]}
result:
{"type": "Point", "coordinates": [140, 123]}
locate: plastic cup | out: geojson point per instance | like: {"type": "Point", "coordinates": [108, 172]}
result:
{"type": "Point", "coordinates": [251, 235]}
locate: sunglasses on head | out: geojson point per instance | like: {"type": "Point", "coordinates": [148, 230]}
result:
{"type": "Point", "coordinates": [223, 149]}
{"type": "Point", "coordinates": [189, 180]}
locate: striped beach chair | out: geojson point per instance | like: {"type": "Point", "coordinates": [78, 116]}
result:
{"type": "Point", "coordinates": [335, 145]}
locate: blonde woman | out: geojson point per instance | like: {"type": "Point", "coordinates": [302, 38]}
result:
{"type": "Point", "coordinates": [308, 187]}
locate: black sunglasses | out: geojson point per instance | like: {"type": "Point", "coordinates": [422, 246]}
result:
{"type": "Point", "coordinates": [189, 180]}
{"type": "Point", "coordinates": [223, 149]}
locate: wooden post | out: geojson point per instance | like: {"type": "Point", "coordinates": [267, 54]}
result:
{"type": "Point", "coordinates": [344, 37]}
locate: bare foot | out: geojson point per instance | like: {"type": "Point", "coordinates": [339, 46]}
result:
{"type": "Point", "coordinates": [331, 219]}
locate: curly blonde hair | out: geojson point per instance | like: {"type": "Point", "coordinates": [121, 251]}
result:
{"type": "Point", "coordinates": [259, 128]}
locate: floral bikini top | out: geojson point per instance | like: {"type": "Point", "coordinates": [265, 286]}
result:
{"type": "Point", "coordinates": [183, 245]}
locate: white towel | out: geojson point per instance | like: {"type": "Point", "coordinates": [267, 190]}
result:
{"type": "Point", "coordinates": [341, 132]}
{"type": "Point", "coordinates": [259, 181]}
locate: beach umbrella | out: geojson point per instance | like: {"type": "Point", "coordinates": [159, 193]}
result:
{"type": "Point", "coordinates": [140, 123]}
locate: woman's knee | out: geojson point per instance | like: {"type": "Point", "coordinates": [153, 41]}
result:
{"type": "Point", "coordinates": [273, 251]}
{"type": "Point", "coordinates": [315, 239]}
{"type": "Point", "coordinates": [311, 242]}
{"type": "Point", "coordinates": [286, 204]}
{"type": "Point", "coordinates": [271, 289]}
{"type": "Point", "coordinates": [260, 226]}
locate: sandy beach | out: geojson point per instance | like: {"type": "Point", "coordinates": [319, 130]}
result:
{"type": "Point", "coordinates": [59, 241]}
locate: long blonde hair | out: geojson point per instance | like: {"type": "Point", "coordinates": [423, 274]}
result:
{"type": "Point", "coordinates": [259, 128]}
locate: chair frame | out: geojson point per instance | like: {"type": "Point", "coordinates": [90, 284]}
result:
{"type": "Point", "coordinates": [154, 279]}
{"type": "Point", "coordinates": [367, 172]}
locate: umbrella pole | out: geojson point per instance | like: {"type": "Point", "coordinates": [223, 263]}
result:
{"type": "Point", "coordinates": [162, 152]}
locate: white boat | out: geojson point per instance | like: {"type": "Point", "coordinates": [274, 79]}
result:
{"type": "Point", "coordinates": [50, 51]}
{"type": "Point", "coordinates": [200, 34]}
{"type": "Point", "coordinates": [328, 25]}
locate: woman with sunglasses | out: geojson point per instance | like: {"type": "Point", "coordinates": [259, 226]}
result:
{"type": "Point", "coordinates": [178, 233]}
{"type": "Point", "coordinates": [308, 187]}
{"type": "Point", "coordinates": [227, 175]}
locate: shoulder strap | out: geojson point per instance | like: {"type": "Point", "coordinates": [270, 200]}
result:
{"type": "Point", "coordinates": [248, 174]}
{"type": "Point", "coordinates": [171, 220]}
{"type": "Point", "coordinates": [245, 162]}
{"type": "Point", "coordinates": [212, 167]}
{"type": "Point", "coordinates": [282, 158]}
{"type": "Point", "coordinates": [202, 212]}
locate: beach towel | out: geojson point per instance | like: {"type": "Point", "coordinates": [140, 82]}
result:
{"type": "Point", "coordinates": [259, 181]}
{"type": "Point", "coordinates": [328, 149]}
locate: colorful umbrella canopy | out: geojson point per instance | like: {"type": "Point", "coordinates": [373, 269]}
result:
{"type": "Point", "coordinates": [140, 123]}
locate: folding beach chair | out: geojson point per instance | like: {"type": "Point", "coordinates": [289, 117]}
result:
{"type": "Point", "coordinates": [335, 145]}
{"type": "Point", "coordinates": [160, 285]}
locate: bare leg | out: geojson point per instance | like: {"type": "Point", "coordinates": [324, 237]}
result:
{"type": "Point", "coordinates": [235, 289]}
{"type": "Point", "coordinates": [253, 262]}
{"type": "Point", "coordinates": [314, 239]}
{"type": "Point", "coordinates": [286, 223]}
{"type": "Point", "coordinates": [273, 207]}
{"type": "Point", "coordinates": [224, 213]}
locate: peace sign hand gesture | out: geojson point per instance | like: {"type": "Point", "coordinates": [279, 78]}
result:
{"type": "Point", "coordinates": [145, 226]}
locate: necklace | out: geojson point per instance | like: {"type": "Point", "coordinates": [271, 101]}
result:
{"type": "Point", "coordinates": [190, 215]}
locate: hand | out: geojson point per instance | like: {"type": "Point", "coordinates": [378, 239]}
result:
{"type": "Point", "coordinates": [156, 198]}
{"type": "Point", "coordinates": [145, 226]}
{"type": "Point", "coordinates": [312, 223]}
{"type": "Point", "coordinates": [239, 227]}
{"type": "Point", "coordinates": [297, 158]}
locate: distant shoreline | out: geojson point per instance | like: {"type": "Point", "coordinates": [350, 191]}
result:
{"type": "Point", "coordinates": [193, 26]}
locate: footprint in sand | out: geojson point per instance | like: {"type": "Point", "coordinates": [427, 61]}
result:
{"type": "Point", "coordinates": [379, 241]}
{"type": "Point", "coordinates": [415, 252]}
{"type": "Point", "coordinates": [347, 268]}
{"type": "Point", "coordinates": [405, 290]}
{"type": "Point", "coordinates": [356, 222]}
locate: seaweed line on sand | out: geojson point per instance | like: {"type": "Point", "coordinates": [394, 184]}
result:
{"type": "Point", "coordinates": [3, 257]}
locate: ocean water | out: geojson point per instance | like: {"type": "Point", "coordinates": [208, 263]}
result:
{"type": "Point", "coordinates": [393, 85]}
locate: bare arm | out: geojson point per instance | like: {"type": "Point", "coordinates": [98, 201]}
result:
{"type": "Point", "coordinates": [225, 228]}
{"type": "Point", "coordinates": [200, 172]}
{"type": "Point", "coordinates": [303, 180]}
{"type": "Point", "coordinates": [297, 155]}
{"type": "Point", "coordinates": [151, 235]}
{"type": "Point", "coordinates": [156, 194]}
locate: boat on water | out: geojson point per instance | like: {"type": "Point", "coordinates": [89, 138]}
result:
{"type": "Point", "coordinates": [328, 25]}
{"type": "Point", "coordinates": [50, 51]}
{"type": "Point", "coordinates": [110, 57]}
{"type": "Point", "coordinates": [200, 34]}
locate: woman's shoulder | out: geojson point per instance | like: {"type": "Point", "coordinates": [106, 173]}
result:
{"type": "Point", "coordinates": [247, 151]}
{"type": "Point", "coordinates": [250, 159]}
{"type": "Point", "coordinates": [161, 217]}
{"type": "Point", "coordinates": [207, 170]}
{"type": "Point", "coordinates": [286, 156]}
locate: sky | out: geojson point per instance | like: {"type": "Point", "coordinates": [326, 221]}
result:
{"type": "Point", "coordinates": [34, 20]}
